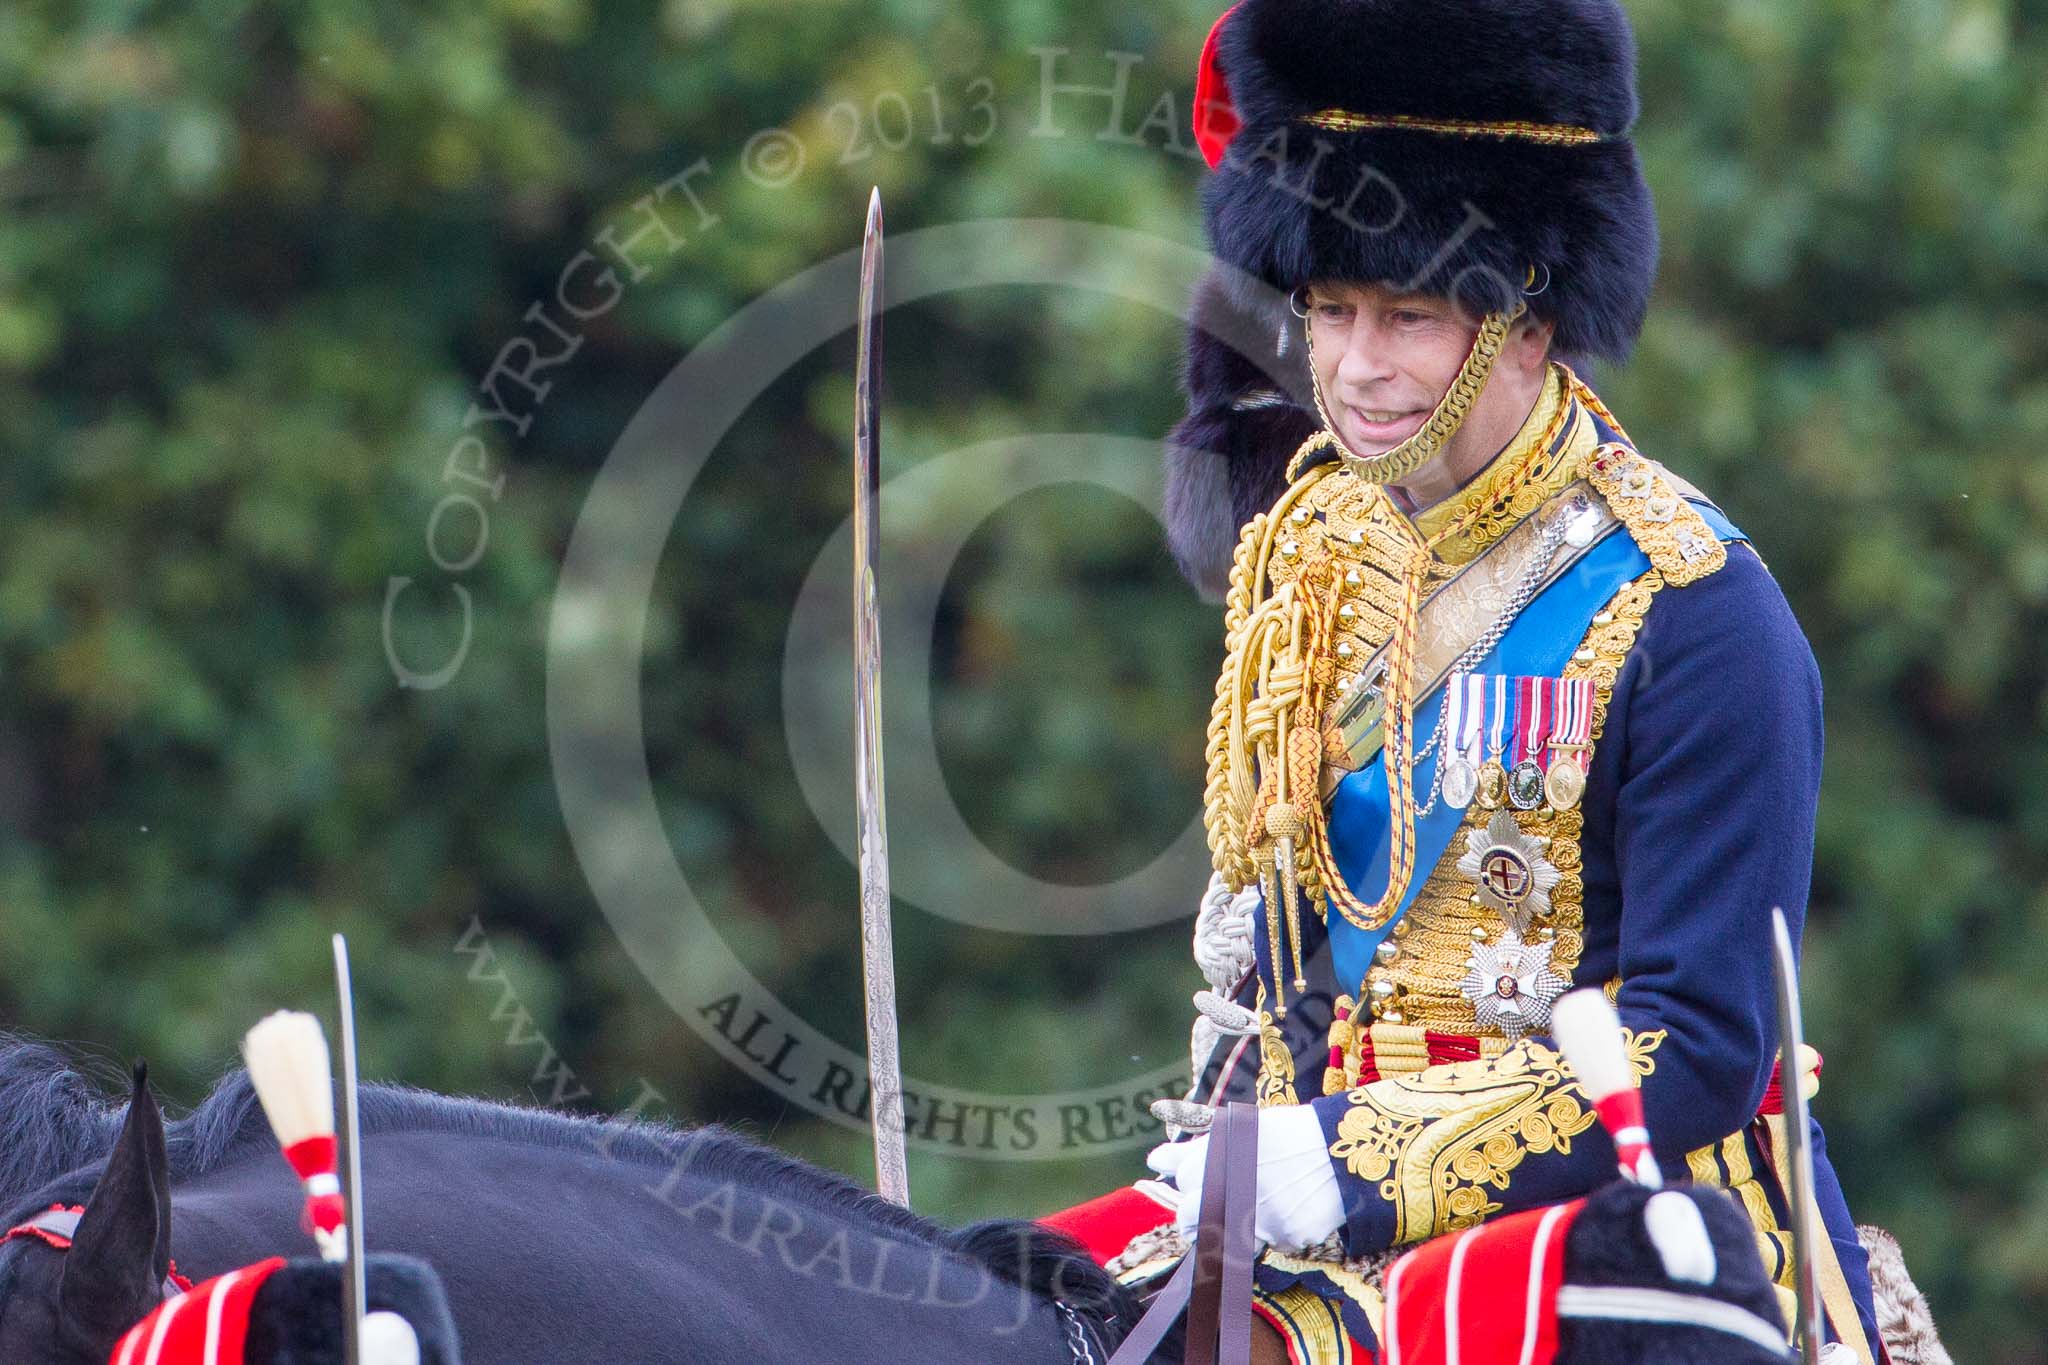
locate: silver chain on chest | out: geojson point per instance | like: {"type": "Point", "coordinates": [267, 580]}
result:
{"type": "Point", "coordinates": [1523, 594]}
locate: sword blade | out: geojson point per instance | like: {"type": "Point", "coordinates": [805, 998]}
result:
{"type": "Point", "coordinates": [355, 1299]}
{"type": "Point", "coordinates": [878, 953]}
{"type": "Point", "coordinates": [1805, 1229]}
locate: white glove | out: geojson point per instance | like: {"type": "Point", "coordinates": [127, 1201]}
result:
{"type": "Point", "coordinates": [1299, 1202]}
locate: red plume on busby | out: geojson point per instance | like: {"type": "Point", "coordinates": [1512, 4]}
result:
{"type": "Point", "coordinates": [1216, 119]}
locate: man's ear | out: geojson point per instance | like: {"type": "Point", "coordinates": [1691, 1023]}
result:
{"type": "Point", "coordinates": [114, 1272]}
{"type": "Point", "coordinates": [1530, 341]}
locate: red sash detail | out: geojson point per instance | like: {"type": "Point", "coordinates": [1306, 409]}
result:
{"type": "Point", "coordinates": [1443, 1048]}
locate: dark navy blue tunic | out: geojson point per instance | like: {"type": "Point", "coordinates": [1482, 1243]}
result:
{"type": "Point", "coordinates": [1699, 818]}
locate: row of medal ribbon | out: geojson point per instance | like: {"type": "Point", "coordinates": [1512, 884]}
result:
{"type": "Point", "coordinates": [1520, 742]}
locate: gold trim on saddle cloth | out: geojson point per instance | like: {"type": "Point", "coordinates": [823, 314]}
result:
{"type": "Point", "coordinates": [1439, 1143]}
{"type": "Point", "coordinates": [1308, 1324]}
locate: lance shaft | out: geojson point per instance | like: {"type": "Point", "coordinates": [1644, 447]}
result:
{"type": "Point", "coordinates": [1799, 1147]}
{"type": "Point", "coordinates": [354, 1273]}
{"type": "Point", "coordinates": [878, 953]}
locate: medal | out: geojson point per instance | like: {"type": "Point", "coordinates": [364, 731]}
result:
{"type": "Point", "coordinates": [1511, 985]}
{"type": "Point", "coordinates": [1564, 784]}
{"type": "Point", "coordinates": [1510, 870]}
{"type": "Point", "coordinates": [1493, 776]}
{"type": "Point", "coordinates": [1572, 728]}
{"type": "Point", "coordinates": [1525, 785]}
{"type": "Point", "coordinates": [1532, 734]}
{"type": "Point", "coordinates": [1465, 700]}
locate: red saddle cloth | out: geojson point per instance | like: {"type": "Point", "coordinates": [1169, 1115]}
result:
{"type": "Point", "coordinates": [204, 1326]}
{"type": "Point", "coordinates": [1486, 1294]}
{"type": "Point", "coordinates": [1106, 1224]}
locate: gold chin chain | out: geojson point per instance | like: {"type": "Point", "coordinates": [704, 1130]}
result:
{"type": "Point", "coordinates": [1449, 414]}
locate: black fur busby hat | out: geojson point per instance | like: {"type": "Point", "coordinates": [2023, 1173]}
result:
{"type": "Point", "coordinates": [1444, 145]}
{"type": "Point", "coordinates": [1451, 146]}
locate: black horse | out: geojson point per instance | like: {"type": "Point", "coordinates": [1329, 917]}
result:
{"type": "Point", "coordinates": [559, 1239]}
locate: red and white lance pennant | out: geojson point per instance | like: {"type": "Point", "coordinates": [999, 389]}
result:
{"type": "Point", "coordinates": [293, 1077]}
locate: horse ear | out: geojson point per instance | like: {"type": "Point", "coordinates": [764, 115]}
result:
{"type": "Point", "coordinates": [114, 1273]}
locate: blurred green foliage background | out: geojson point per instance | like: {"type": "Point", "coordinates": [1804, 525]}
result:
{"type": "Point", "coordinates": [255, 260]}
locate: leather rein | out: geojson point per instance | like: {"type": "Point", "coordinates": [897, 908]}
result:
{"type": "Point", "coordinates": [1214, 1281]}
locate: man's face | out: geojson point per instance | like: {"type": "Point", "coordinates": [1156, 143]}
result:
{"type": "Point", "coordinates": [1384, 359]}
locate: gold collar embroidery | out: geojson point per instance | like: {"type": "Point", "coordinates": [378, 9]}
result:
{"type": "Point", "coordinates": [1529, 471]}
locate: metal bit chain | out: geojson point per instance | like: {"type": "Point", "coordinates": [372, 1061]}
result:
{"type": "Point", "coordinates": [1524, 593]}
{"type": "Point", "coordinates": [1077, 1335]}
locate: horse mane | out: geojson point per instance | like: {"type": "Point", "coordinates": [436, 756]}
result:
{"type": "Point", "coordinates": [57, 1126]}
{"type": "Point", "coordinates": [52, 1118]}
{"type": "Point", "coordinates": [55, 1122]}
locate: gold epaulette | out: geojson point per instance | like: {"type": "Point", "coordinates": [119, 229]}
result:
{"type": "Point", "coordinates": [1663, 524]}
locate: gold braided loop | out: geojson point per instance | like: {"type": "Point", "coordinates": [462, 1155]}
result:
{"type": "Point", "coordinates": [1244, 710]}
{"type": "Point", "coordinates": [1397, 754]}
{"type": "Point", "coordinates": [1318, 590]}
{"type": "Point", "coordinates": [1265, 746]}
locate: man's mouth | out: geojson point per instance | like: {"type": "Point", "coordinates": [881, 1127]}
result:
{"type": "Point", "coordinates": [1386, 427]}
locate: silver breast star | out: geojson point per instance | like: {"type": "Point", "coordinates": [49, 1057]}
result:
{"type": "Point", "coordinates": [1511, 985]}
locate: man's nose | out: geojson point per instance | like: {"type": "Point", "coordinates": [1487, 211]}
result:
{"type": "Point", "coordinates": [1366, 360]}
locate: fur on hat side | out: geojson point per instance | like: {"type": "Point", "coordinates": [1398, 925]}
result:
{"type": "Point", "coordinates": [1248, 412]}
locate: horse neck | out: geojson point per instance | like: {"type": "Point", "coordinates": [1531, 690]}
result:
{"type": "Point", "coordinates": [563, 1255]}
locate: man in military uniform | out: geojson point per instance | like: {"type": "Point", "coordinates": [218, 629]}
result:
{"type": "Point", "coordinates": [1507, 706]}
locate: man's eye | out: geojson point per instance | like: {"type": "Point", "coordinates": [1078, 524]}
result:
{"type": "Point", "coordinates": [1333, 312]}
{"type": "Point", "coordinates": [1408, 316]}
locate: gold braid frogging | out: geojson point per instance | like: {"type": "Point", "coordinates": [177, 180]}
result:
{"type": "Point", "coordinates": [1273, 686]}
{"type": "Point", "coordinates": [1264, 746]}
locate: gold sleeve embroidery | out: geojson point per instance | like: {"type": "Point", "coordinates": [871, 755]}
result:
{"type": "Point", "coordinates": [1276, 1063]}
{"type": "Point", "coordinates": [1442, 1141]}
